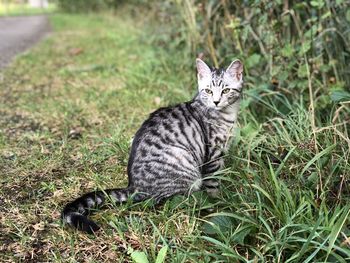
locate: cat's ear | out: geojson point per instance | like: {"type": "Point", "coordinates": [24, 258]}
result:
{"type": "Point", "coordinates": [235, 70]}
{"type": "Point", "coordinates": [202, 69]}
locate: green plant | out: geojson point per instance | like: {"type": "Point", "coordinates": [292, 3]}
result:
{"type": "Point", "coordinates": [81, 6]}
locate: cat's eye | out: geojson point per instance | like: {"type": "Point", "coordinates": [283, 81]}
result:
{"type": "Point", "coordinates": [225, 91]}
{"type": "Point", "coordinates": [208, 91]}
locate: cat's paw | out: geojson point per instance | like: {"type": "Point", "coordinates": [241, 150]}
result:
{"type": "Point", "coordinates": [213, 192]}
{"type": "Point", "coordinates": [211, 183]}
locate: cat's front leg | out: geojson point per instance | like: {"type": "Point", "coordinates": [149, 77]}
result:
{"type": "Point", "coordinates": [212, 187]}
{"type": "Point", "coordinates": [210, 184]}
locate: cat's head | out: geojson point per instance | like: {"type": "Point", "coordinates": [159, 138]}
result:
{"type": "Point", "coordinates": [219, 88]}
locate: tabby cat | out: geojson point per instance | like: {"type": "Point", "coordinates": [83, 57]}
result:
{"type": "Point", "coordinates": [176, 148]}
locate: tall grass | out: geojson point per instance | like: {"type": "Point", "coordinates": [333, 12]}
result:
{"type": "Point", "coordinates": [290, 47]}
{"type": "Point", "coordinates": [286, 195]}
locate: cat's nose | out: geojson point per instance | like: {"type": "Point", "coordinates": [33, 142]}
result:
{"type": "Point", "coordinates": [216, 103]}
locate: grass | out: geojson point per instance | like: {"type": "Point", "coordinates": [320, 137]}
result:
{"type": "Point", "coordinates": [69, 109]}
{"type": "Point", "coordinates": [15, 9]}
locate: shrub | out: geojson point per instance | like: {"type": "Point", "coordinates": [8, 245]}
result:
{"type": "Point", "coordinates": [80, 6]}
{"type": "Point", "coordinates": [290, 47]}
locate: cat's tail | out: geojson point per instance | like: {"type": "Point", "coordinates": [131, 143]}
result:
{"type": "Point", "coordinates": [76, 213]}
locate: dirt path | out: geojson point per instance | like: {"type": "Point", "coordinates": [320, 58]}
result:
{"type": "Point", "coordinates": [19, 33]}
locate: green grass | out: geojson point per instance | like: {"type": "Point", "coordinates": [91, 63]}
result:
{"type": "Point", "coordinates": [68, 111]}
{"type": "Point", "coordinates": [15, 9]}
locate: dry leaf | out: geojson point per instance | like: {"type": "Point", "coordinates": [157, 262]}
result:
{"type": "Point", "coordinates": [75, 51]}
{"type": "Point", "coordinates": [39, 226]}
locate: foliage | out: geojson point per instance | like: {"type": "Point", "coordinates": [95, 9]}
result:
{"type": "Point", "coordinates": [15, 8]}
{"type": "Point", "coordinates": [296, 56]}
{"type": "Point", "coordinates": [290, 47]}
{"type": "Point", "coordinates": [81, 6]}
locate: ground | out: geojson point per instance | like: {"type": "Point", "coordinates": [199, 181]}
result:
{"type": "Point", "coordinates": [67, 117]}
{"type": "Point", "coordinates": [68, 111]}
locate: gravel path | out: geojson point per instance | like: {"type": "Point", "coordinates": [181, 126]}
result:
{"type": "Point", "coordinates": [19, 33]}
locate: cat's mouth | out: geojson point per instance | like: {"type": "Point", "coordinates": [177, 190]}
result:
{"type": "Point", "coordinates": [222, 106]}
{"type": "Point", "coordinates": [218, 107]}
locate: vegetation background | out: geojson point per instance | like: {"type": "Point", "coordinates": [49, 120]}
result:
{"type": "Point", "coordinates": [70, 107]}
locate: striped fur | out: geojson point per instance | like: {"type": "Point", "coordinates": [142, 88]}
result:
{"type": "Point", "coordinates": [175, 148]}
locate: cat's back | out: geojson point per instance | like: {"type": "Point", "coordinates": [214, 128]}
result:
{"type": "Point", "coordinates": [163, 126]}
{"type": "Point", "coordinates": [166, 121]}
{"type": "Point", "coordinates": [168, 134]}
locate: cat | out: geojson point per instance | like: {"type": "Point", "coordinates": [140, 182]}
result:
{"type": "Point", "coordinates": [176, 148]}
